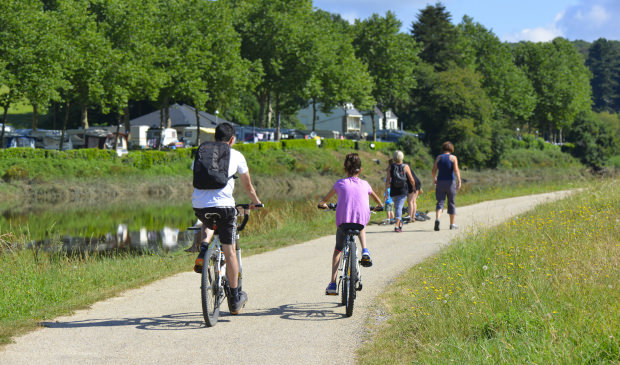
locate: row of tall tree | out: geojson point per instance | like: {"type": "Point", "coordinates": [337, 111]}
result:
{"type": "Point", "coordinates": [259, 61]}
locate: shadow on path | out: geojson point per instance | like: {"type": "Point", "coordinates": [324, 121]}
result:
{"type": "Point", "coordinates": [190, 321]}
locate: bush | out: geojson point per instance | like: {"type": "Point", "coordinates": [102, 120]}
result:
{"type": "Point", "coordinates": [614, 162]}
{"type": "Point", "coordinates": [296, 144]}
{"type": "Point", "coordinates": [414, 149]}
{"type": "Point", "coordinates": [338, 144]}
{"type": "Point", "coordinates": [527, 158]}
{"type": "Point", "coordinates": [15, 172]}
{"type": "Point", "coordinates": [265, 146]}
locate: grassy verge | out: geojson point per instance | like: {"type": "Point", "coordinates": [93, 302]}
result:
{"type": "Point", "coordinates": [40, 286]}
{"type": "Point", "coordinates": [541, 288]}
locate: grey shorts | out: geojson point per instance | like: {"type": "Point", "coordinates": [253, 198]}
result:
{"type": "Point", "coordinates": [446, 189]}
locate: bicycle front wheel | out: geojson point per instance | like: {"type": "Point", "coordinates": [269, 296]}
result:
{"type": "Point", "coordinates": [210, 289]}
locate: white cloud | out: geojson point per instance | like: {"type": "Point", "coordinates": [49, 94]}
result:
{"type": "Point", "coordinates": [591, 19]}
{"type": "Point", "coordinates": [539, 34]}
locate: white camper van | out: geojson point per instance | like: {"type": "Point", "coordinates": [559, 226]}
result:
{"type": "Point", "coordinates": [137, 136]}
{"type": "Point", "coordinates": [166, 136]}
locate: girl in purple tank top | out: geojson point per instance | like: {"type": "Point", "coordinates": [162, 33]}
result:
{"type": "Point", "coordinates": [352, 211]}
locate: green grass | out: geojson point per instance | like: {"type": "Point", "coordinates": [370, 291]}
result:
{"type": "Point", "coordinates": [42, 285]}
{"type": "Point", "coordinates": [541, 288]}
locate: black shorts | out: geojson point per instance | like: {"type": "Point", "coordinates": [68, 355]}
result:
{"type": "Point", "coordinates": [341, 236]}
{"type": "Point", "coordinates": [223, 219]}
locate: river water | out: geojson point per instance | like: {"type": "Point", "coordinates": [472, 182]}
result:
{"type": "Point", "coordinates": [131, 227]}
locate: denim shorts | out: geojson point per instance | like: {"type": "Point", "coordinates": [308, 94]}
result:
{"type": "Point", "coordinates": [399, 203]}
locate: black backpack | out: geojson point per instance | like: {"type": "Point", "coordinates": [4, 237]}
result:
{"type": "Point", "coordinates": [211, 165]}
{"type": "Point", "coordinates": [399, 177]}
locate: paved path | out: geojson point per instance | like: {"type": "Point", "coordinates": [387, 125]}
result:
{"type": "Point", "coordinates": [288, 319]}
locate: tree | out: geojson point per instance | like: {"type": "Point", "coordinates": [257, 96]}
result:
{"type": "Point", "coordinates": [86, 55]}
{"type": "Point", "coordinates": [277, 39]}
{"type": "Point", "coordinates": [391, 58]}
{"type": "Point", "coordinates": [337, 76]}
{"type": "Point", "coordinates": [507, 86]}
{"type": "Point", "coordinates": [31, 48]}
{"type": "Point", "coordinates": [561, 82]}
{"type": "Point", "coordinates": [604, 62]}
{"type": "Point", "coordinates": [593, 140]}
{"type": "Point", "coordinates": [437, 36]}
{"type": "Point", "coordinates": [453, 106]}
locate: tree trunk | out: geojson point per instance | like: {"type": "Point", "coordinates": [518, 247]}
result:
{"type": "Point", "coordinates": [126, 120]}
{"type": "Point", "coordinates": [277, 136]}
{"type": "Point", "coordinates": [118, 130]}
{"type": "Point", "coordinates": [313, 115]}
{"type": "Point", "coordinates": [6, 110]}
{"type": "Point", "coordinates": [35, 117]}
{"type": "Point", "coordinates": [269, 111]}
{"type": "Point", "coordinates": [161, 128]}
{"type": "Point", "coordinates": [84, 120]}
{"type": "Point", "coordinates": [64, 126]}
{"type": "Point", "coordinates": [197, 125]}
{"type": "Point", "coordinates": [374, 127]}
{"type": "Point", "coordinates": [261, 109]}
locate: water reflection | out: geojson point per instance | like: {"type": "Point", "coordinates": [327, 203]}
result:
{"type": "Point", "coordinates": [126, 227]}
{"type": "Point", "coordinates": [167, 239]}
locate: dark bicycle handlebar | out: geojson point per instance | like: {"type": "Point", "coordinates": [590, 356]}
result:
{"type": "Point", "coordinates": [246, 213]}
{"type": "Point", "coordinates": [246, 216]}
{"type": "Point", "coordinates": [332, 206]}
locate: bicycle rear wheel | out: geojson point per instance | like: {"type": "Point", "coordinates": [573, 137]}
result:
{"type": "Point", "coordinates": [344, 279]}
{"type": "Point", "coordinates": [351, 270]}
{"type": "Point", "coordinates": [211, 293]}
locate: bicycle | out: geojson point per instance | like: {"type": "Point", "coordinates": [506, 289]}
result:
{"type": "Point", "coordinates": [214, 285]}
{"type": "Point", "coordinates": [350, 278]}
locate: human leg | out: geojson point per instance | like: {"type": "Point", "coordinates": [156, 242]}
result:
{"type": "Point", "coordinates": [399, 202]}
{"type": "Point", "coordinates": [412, 204]}
{"type": "Point", "coordinates": [451, 194]}
{"type": "Point", "coordinates": [335, 261]}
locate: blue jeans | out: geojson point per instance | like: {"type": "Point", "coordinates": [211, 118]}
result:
{"type": "Point", "coordinates": [399, 203]}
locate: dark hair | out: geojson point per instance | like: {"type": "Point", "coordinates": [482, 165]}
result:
{"type": "Point", "coordinates": [447, 147]}
{"type": "Point", "coordinates": [352, 164]}
{"type": "Point", "coordinates": [224, 131]}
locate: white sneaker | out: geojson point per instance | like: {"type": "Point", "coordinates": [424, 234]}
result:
{"type": "Point", "coordinates": [454, 226]}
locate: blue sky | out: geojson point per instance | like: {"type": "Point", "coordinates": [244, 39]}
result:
{"type": "Point", "coordinates": [510, 20]}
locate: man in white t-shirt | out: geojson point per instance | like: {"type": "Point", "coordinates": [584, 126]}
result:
{"type": "Point", "coordinates": [218, 205]}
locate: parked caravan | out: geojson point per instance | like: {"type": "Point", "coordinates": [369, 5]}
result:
{"type": "Point", "coordinates": [167, 137]}
{"type": "Point", "coordinates": [188, 135]}
{"type": "Point", "coordinates": [137, 136]}
{"type": "Point", "coordinates": [13, 140]}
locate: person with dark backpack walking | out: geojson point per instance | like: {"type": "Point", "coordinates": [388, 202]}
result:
{"type": "Point", "coordinates": [215, 166]}
{"type": "Point", "coordinates": [400, 180]}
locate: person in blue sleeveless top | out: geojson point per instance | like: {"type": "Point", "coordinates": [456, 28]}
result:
{"type": "Point", "coordinates": [447, 179]}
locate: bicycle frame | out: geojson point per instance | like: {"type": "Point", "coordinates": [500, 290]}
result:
{"type": "Point", "coordinates": [214, 282]}
{"type": "Point", "coordinates": [350, 280]}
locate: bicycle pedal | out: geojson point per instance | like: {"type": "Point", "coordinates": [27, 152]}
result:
{"type": "Point", "coordinates": [359, 287]}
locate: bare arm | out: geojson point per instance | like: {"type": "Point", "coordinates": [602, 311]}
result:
{"type": "Point", "coordinates": [375, 197]}
{"type": "Point", "coordinates": [435, 172]}
{"type": "Point", "coordinates": [410, 176]}
{"type": "Point", "coordinates": [326, 198]}
{"type": "Point", "coordinates": [457, 172]}
{"type": "Point", "coordinates": [246, 181]}
{"type": "Point", "coordinates": [388, 180]}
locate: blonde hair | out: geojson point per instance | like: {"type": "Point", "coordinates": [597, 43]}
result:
{"type": "Point", "coordinates": [398, 156]}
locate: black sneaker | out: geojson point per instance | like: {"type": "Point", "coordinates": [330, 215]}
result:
{"type": "Point", "coordinates": [237, 305]}
{"type": "Point", "coordinates": [437, 225]}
